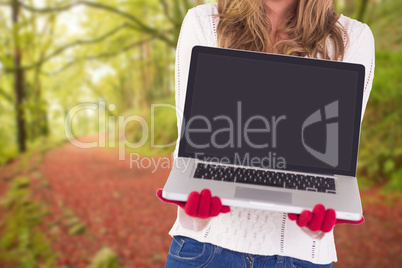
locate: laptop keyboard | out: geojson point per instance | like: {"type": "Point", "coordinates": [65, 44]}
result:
{"type": "Point", "coordinates": [268, 178]}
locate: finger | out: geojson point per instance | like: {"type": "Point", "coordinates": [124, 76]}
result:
{"type": "Point", "coordinates": [216, 206]}
{"type": "Point", "coordinates": [304, 218]}
{"type": "Point", "coordinates": [159, 192]}
{"type": "Point", "coordinates": [350, 222]}
{"type": "Point", "coordinates": [292, 216]}
{"type": "Point", "coordinates": [205, 204]}
{"type": "Point", "coordinates": [225, 209]}
{"type": "Point", "coordinates": [317, 218]}
{"type": "Point", "coordinates": [329, 220]}
{"type": "Point", "coordinates": [192, 204]}
{"type": "Point", "coordinates": [178, 203]}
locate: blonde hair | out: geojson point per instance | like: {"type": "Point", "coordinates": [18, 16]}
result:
{"type": "Point", "coordinates": [310, 24]}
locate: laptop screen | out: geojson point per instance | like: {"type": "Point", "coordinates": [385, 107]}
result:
{"type": "Point", "coordinates": [272, 111]}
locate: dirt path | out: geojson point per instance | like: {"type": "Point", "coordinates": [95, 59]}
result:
{"type": "Point", "coordinates": [117, 205]}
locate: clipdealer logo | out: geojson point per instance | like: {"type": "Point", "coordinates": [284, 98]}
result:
{"type": "Point", "coordinates": [331, 154]}
{"type": "Point", "coordinates": [238, 133]}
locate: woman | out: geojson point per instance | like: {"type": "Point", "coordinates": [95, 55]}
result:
{"type": "Point", "coordinates": [247, 237]}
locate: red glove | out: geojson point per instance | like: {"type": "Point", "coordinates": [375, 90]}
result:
{"type": "Point", "coordinates": [201, 205]}
{"type": "Point", "coordinates": [320, 219]}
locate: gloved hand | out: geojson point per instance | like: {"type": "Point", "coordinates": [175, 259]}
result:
{"type": "Point", "coordinates": [320, 219]}
{"type": "Point", "coordinates": [201, 205]}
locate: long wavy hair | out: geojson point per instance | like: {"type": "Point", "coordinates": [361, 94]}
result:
{"type": "Point", "coordinates": [309, 26]}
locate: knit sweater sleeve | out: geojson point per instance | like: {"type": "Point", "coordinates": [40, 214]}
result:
{"type": "Point", "coordinates": [195, 30]}
{"type": "Point", "coordinates": [360, 49]}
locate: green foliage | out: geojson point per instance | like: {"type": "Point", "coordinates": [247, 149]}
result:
{"type": "Point", "coordinates": [8, 144]}
{"type": "Point", "coordinates": [8, 151]}
{"type": "Point", "coordinates": [133, 68]}
{"type": "Point", "coordinates": [73, 223]}
{"type": "Point", "coordinates": [380, 156]}
{"type": "Point", "coordinates": [104, 258]}
{"type": "Point", "coordinates": [22, 244]}
{"type": "Point", "coordinates": [385, 21]}
{"type": "Point", "coordinates": [163, 118]}
{"type": "Point", "coordinates": [387, 83]}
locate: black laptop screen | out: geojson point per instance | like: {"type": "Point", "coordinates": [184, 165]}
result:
{"type": "Point", "coordinates": [272, 111]}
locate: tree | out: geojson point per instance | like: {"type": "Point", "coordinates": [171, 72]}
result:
{"type": "Point", "coordinates": [27, 84]}
{"type": "Point", "coordinates": [362, 9]}
{"type": "Point", "coordinates": [18, 78]}
{"type": "Point", "coordinates": [173, 16]}
{"type": "Point", "coordinates": [23, 43]}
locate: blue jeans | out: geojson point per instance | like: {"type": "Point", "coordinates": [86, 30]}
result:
{"type": "Point", "coordinates": [186, 252]}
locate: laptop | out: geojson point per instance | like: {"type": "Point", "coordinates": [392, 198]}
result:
{"type": "Point", "coordinates": [273, 132]}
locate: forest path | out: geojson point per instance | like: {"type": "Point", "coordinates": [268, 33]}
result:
{"type": "Point", "coordinates": [116, 207]}
{"type": "Point", "coordinates": [115, 202]}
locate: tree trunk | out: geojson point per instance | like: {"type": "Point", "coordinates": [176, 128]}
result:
{"type": "Point", "coordinates": [142, 93]}
{"type": "Point", "coordinates": [147, 73]}
{"type": "Point", "coordinates": [42, 126]}
{"type": "Point", "coordinates": [362, 9]}
{"type": "Point", "coordinates": [18, 82]}
{"type": "Point", "coordinates": [166, 81]}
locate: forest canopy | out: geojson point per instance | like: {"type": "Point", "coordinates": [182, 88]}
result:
{"type": "Point", "coordinates": [119, 55]}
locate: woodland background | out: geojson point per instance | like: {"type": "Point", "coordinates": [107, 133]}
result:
{"type": "Point", "coordinates": [62, 206]}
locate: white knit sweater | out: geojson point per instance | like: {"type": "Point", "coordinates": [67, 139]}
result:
{"type": "Point", "coordinates": [251, 231]}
